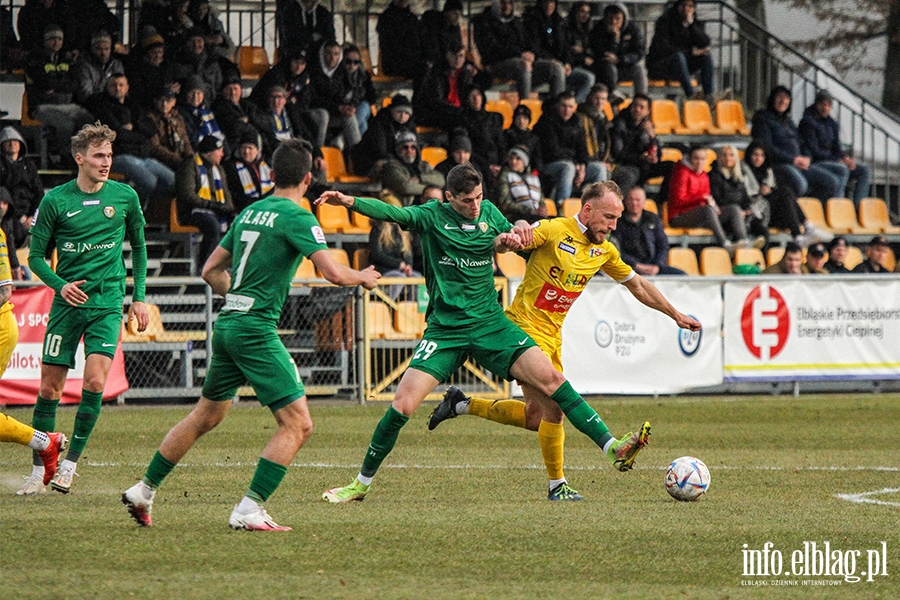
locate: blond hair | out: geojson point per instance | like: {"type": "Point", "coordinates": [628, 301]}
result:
{"type": "Point", "coordinates": [597, 190]}
{"type": "Point", "coordinates": [391, 236]}
{"type": "Point", "coordinates": [91, 135]}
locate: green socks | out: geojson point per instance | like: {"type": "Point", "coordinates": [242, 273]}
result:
{"type": "Point", "coordinates": [383, 440]}
{"type": "Point", "coordinates": [85, 419]}
{"type": "Point", "coordinates": [157, 470]}
{"type": "Point", "coordinates": [266, 480]}
{"type": "Point", "coordinates": [43, 419]}
{"type": "Point", "coordinates": [581, 415]}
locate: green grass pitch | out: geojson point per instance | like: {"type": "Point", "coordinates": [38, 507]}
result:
{"type": "Point", "coordinates": [461, 512]}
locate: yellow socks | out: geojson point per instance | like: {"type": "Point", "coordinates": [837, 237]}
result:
{"type": "Point", "coordinates": [552, 437]}
{"type": "Point", "coordinates": [14, 431]}
{"type": "Point", "coordinates": [507, 412]}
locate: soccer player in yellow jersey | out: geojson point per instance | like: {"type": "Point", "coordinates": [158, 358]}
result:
{"type": "Point", "coordinates": [47, 445]}
{"type": "Point", "coordinates": [566, 253]}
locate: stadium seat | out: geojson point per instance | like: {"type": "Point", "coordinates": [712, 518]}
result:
{"type": "Point", "coordinates": [253, 62]}
{"type": "Point", "coordinates": [174, 225]}
{"type": "Point", "coordinates": [337, 169]}
{"type": "Point", "coordinates": [156, 331]}
{"type": "Point", "coordinates": [749, 256]}
{"type": "Point", "coordinates": [730, 117]}
{"type": "Point", "coordinates": [333, 219]}
{"type": "Point", "coordinates": [536, 109]}
{"type": "Point", "coordinates": [608, 111]}
{"type": "Point", "coordinates": [812, 209]}
{"type": "Point", "coordinates": [698, 118]}
{"type": "Point", "coordinates": [715, 260]}
{"type": "Point", "coordinates": [774, 254]}
{"type": "Point", "coordinates": [511, 264]}
{"type": "Point", "coordinates": [570, 207]}
{"type": "Point", "coordinates": [665, 117]}
{"type": "Point", "coordinates": [360, 258]}
{"type": "Point", "coordinates": [551, 207]}
{"type": "Point", "coordinates": [873, 214]}
{"type": "Point", "coordinates": [306, 270]}
{"type": "Point", "coordinates": [711, 157]}
{"type": "Point", "coordinates": [650, 206]}
{"type": "Point", "coordinates": [698, 231]}
{"type": "Point", "coordinates": [433, 155]}
{"type": "Point", "coordinates": [380, 323]}
{"type": "Point", "coordinates": [890, 262]}
{"type": "Point", "coordinates": [684, 259]}
{"type": "Point", "coordinates": [339, 255]}
{"type": "Point", "coordinates": [854, 257]}
{"type": "Point", "coordinates": [408, 320]}
{"type": "Point", "coordinates": [26, 121]}
{"type": "Point", "coordinates": [361, 223]}
{"type": "Point", "coordinates": [504, 108]}
{"type": "Point", "coordinates": [841, 216]}
{"type": "Point", "coordinates": [305, 203]}
{"type": "Point", "coordinates": [672, 154]}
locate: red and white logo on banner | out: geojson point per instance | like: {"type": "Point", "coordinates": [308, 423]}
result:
{"type": "Point", "coordinates": [765, 322]}
{"type": "Point", "coordinates": [22, 380]}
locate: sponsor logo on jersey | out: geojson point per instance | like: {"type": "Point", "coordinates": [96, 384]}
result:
{"type": "Point", "coordinates": [566, 247]}
{"type": "Point", "coordinates": [569, 239]}
{"type": "Point", "coordinates": [90, 203]}
{"type": "Point", "coordinates": [464, 263]}
{"type": "Point", "coordinates": [238, 302]}
{"type": "Point", "coordinates": [259, 217]}
{"type": "Point", "coordinates": [317, 234]}
{"type": "Point", "coordinates": [467, 226]}
{"type": "Point", "coordinates": [483, 227]}
{"type": "Point", "coordinates": [84, 247]}
{"type": "Point", "coordinates": [554, 299]}
{"type": "Point", "coordinates": [72, 213]}
{"type": "Point", "coordinates": [536, 224]}
{"type": "Point", "coordinates": [68, 247]}
{"type": "Point", "coordinates": [34, 218]}
{"type": "Point", "coordinates": [570, 280]}
{"type": "Point", "coordinates": [450, 227]}
{"type": "Point", "coordinates": [595, 252]}
{"type": "Point", "coordinates": [109, 212]}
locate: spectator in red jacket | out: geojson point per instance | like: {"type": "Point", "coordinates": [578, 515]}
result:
{"type": "Point", "coordinates": [691, 204]}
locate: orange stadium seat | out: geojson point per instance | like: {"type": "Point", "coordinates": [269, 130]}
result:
{"type": "Point", "coordinates": [536, 107]}
{"type": "Point", "coordinates": [665, 117]}
{"type": "Point", "coordinates": [841, 216]}
{"type": "Point", "coordinates": [715, 260]}
{"type": "Point", "coordinates": [253, 62]}
{"type": "Point", "coordinates": [504, 108]}
{"type": "Point", "coordinates": [698, 118]}
{"type": "Point", "coordinates": [730, 117]}
{"type": "Point", "coordinates": [433, 155]}
{"type": "Point", "coordinates": [873, 214]}
{"type": "Point", "coordinates": [684, 259]}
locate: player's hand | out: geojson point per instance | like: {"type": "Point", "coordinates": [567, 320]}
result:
{"type": "Point", "coordinates": [524, 231]}
{"type": "Point", "coordinates": [336, 198]}
{"type": "Point", "coordinates": [72, 294]}
{"type": "Point", "coordinates": [370, 277]}
{"type": "Point", "coordinates": [138, 310]}
{"type": "Point", "coordinates": [686, 322]}
{"type": "Point", "coordinates": [511, 241]}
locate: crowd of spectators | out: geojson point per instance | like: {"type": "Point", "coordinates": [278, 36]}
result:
{"type": "Point", "coordinates": [177, 103]}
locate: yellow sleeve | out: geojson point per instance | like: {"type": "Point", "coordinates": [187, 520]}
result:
{"type": "Point", "coordinates": [542, 231]}
{"type": "Point", "coordinates": [5, 271]}
{"type": "Point", "coordinates": [615, 267]}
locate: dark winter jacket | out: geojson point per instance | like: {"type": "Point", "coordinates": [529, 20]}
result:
{"type": "Point", "coordinates": [628, 139]}
{"type": "Point", "coordinates": [302, 30]}
{"type": "Point", "coordinates": [642, 242]}
{"type": "Point", "coordinates": [820, 138]}
{"type": "Point", "coordinates": [498, 41]}
{"type": "Point", "coordinates": [378, 141]}
{"type": "Point", "coordinates": [49, 79]}
{"type": "Point", "coordinates": [296, 85]}
{"type": "Point", "coordinates": [629, 48]}
{"type": "Point", "coordinates": [20, 178]}
{"type": "Point", "coordinates": [672, 36]}
{"type": "Point", "coordinates": [547, 34]}
{"type": "Point", "coordinates": [778, 134]}
{"type": "Point", "coordinates": [561, 140]}
{"type": "Point", "coordinates": [400, 41]}
{"type": "Point", "coordinates": [109, 111]}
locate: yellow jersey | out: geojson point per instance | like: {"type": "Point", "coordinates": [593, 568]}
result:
{"type": "Point", "coordinates": [5, 270]}
{"type": "Point", "coordinates": [562, 262]}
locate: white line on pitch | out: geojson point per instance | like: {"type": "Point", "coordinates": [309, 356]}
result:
{"type": "Point", "coordinates": [863, 497]}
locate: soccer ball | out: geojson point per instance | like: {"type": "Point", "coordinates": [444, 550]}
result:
{"type": "Point", "coordinates": [687, 479]}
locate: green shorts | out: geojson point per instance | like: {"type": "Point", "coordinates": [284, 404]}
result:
{"type": "Point", "coordinates": [495, 345]}
{"type": "Point", "coordinates": [65, 327]}
{"type": "Point", "coordinates": [253, 356]}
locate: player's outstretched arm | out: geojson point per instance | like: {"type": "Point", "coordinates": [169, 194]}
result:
{"type": "Point", "coordinates": [336, 198]}
{"type": "Point", "coordinates": [649, 295]}
{"type": "Point", "coordinates": [215, 271]}
{"type": "Point", "coordinates": [339, 274]}
{"type": "Point", "coordinates": [525, 232]}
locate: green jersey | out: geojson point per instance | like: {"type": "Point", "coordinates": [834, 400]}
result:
{"type": "Point", "coordinates": [267, 241]}
{"type": "Point", "coordinates": [458, 257]}
{"type": "Point", "coordinates": [89, 230]}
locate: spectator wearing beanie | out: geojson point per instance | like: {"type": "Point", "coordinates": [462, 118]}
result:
{"type": "Point", "coordinates": [405, 175]}
{"type": "Point", "coordinates": [150, 73]}
{"type": "Point", "coordinates": [249, 176]}
{"type": "Point", "coordinates": [459, 152]}
{"type": "Point", "coordinates": [519, 194]}
{"type": "Point", "coordinates": [377, 145]}
{"type": "Point", "coordinates": [521, 134]}
{"type": "Point", "coordinates": [93, 71]}
{"type": "Point", "coordinates": [194, 108]}
{"type": "Point", "coordinates": [232, 112]}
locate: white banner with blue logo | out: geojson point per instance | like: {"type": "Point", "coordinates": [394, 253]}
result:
{"type": "Point", "coordinates": [812, 329]}
{"type": "Point", "coordinates": [613, 344]}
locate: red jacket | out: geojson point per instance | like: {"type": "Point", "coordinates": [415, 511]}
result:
{"type": "Point", "coordinates": [687, 189]}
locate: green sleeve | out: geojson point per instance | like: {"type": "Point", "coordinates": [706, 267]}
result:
{"type": "Point", "coordinates": [376, 209]}
{"type": "Point", "coordinates": [135, 224]}
{"type": "Point", "coordinates": [40, 237]}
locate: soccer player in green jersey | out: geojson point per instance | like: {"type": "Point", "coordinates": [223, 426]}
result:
{"type": "Point", "coordinates": [88, 219]}
{"type": "Point", "coordinates": [262, 250]}
{"type": "Point", "coordinates": [465, 320]}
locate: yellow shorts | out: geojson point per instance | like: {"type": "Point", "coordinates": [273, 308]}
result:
{"type": "Point", "coordinates": [548, 341]}
{"type": "Point", "coordinates": [9, 337]}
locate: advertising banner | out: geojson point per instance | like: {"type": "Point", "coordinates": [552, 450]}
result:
{"type": "Point", "coordinates": [613, 344]}
{"type": "Point", "coordinates": [22, 380]}
{"type": "Point", "coordinates": [814, 329]}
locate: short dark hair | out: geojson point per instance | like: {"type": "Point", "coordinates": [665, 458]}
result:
{"type": "Point", "coordinates": [565, 95]}
{"type": "Point", "coordinates": [291, 162]}
{"type": "Point", "coordinates": [792, 248]}
{"type": "Point", "coordinates": [462, 179]}
{"type": "Point", "coordinates": [640, 96]}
